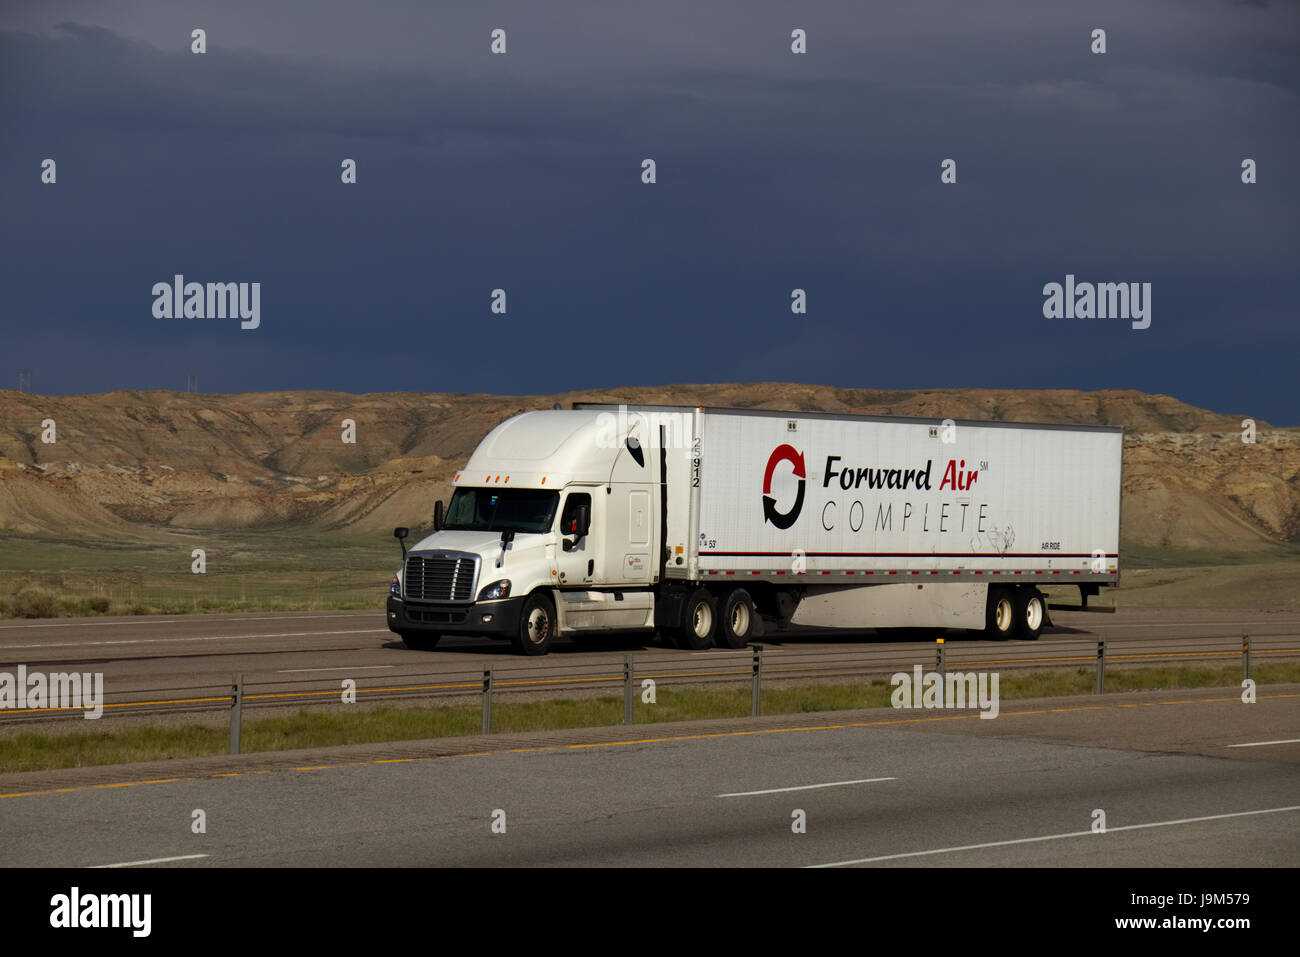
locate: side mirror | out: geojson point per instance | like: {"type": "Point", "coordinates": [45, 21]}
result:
{"type": "Point", "coordinates": [584, 521]}
{"type": "Point", "coordinates": [439, 516]}
{"type": "Point", "coordinates": [507, 537]}
{"type": "Point", "coordinates": [400, 534]}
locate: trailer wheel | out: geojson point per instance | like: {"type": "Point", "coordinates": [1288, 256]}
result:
{"type": "Point", "coordinates": [420, 640]}
{"type": "Point", "coordinates": [699, 621]}
{"type": "Point", "coordinates": [536, 626]}
{"type": "Point", "coordinates": [1030, 613]}
{"type": "Point", "coordinates": [1000, 619]}
{"type": "Point", "coordinates": [738, 620]}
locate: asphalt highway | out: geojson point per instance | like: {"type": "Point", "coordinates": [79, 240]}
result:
{"type": "Point", "coordinates": [1183, 779]}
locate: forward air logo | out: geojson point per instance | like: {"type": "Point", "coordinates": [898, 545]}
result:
{"type": "Point", "coordinates": [783, 453]}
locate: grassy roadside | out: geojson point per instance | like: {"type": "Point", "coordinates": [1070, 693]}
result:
{"type": "Point", "coordinates": [302, 569]}
{"type": "Point", "coordinates": [31, 751]}
{"type": "Point", "coordinates": [266, 570]}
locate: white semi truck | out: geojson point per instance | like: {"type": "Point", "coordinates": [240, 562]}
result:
{"type": "Point", "coordinates": [704, 523]}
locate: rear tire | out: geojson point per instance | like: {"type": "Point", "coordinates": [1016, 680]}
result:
{"type": "Point", "coordinates": [1031, 612]}
{"type": "Point", "coordinates": [699, 621]}
{"type": "Point", "coordinates": [737, 622]}
{"type": "Point", "coordinates": [536, 626]}
{"type": "Point", "coordinates": [420, 640]}
{"type": "Point", "coordinates": [1000, 618]}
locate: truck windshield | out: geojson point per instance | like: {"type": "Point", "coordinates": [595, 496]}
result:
{"type": "Point", "coordinates": [501, 510]}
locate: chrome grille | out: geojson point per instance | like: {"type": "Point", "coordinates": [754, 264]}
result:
{"type": "Point", "coordinates": [439, 577]}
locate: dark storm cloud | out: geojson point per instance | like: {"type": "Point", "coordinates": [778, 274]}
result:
{"type": "Point", "coordinates": [775, 171]}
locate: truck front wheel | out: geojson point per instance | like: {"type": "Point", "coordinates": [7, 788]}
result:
{"type": "Point", "coordinates": [699, 621]}
{"type": "Point", "coordinates": [536, 626]}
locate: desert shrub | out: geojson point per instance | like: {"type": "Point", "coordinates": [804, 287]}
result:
{"type": "Point", "coordinates": [34, 603]}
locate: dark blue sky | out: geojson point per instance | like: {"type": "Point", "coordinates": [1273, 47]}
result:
{"type": "Point", "coordinates": [775, 171]}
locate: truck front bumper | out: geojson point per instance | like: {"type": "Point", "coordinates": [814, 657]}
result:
{"type": "Point", "coordinates": [495, 619]}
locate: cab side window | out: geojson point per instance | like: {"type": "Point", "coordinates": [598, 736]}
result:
{"type": "Point", "coordinates": [569, 520]}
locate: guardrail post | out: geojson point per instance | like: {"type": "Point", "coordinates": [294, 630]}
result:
{"type": "Point", "coordinates": [1101, 667]}
{"type": "Point", "coordinates": [1245, 657]}
{"type": "Point", "coordinates": [941, 658]}
{"type": "Point", "coordinates": [236, 711]}
{"type": "Point", "coordinates": [628, 672]}
{"type": "Point", "coordinates": [756, 684]}
{"type": "Point", "coordinates": [487, 700]}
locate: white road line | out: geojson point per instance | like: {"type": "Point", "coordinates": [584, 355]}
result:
{"type": "Point", "coordinates": [152, 860]}
{"type": "Point", "coordinates": [149, 620]}
{"type": "Point", "coordinates": [1260, 744]}
{"type": "Point", "coordinates": [804, 787]}
{"type": "Point", "coordinates": [156, 641]}
{"type": "Point", "coordinates": [295, 671]}
{"type": "Point", "coordinates": [1057, 837]}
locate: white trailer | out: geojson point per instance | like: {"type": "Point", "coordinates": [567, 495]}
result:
{"type": "Point", "coordinates": [704, 523]}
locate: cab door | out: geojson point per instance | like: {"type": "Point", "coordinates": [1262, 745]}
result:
{"type": "Point", "coordinates": [578, 566]}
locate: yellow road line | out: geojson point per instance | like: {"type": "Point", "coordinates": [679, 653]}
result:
{"type": "Point", "coordinates": [661, 740]}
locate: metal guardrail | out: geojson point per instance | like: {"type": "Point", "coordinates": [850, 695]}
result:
{"type": "Point", "coordinates": [755, 664]}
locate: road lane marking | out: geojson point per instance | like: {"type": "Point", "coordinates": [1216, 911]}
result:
{"type": "Point", "coordinates": [152, 860]}
{"type": "Point", "coordinates": [155, 641]}
{"type": "Point", "coordinates": [1057, 837]}
{"type": "Point", "coordinates": [295, 671]}
{"type": "Point", "coordinates": [804, 787]}
{"type": "Point", "coordinates": [608, 744]}
{"type": "Point", "coordinates": [1260, 744]}
{"type": "Point", "coordinates": [146, 620]}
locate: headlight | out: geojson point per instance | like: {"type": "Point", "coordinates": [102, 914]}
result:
{"type": "Point", "coordinates": [395, 587]}
{"type": "Point", "coordinates": [499, 589]}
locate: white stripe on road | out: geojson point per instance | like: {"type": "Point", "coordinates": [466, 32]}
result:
{"type": "Point", "coordinates": [148, 620]}
{"type": "Point", "coordinates": [168, 641]}
{"type": "Point", "coordinates": [805, 787]}
{"type": "Point", "coordinates": [152, 860]}
{"type": "Point", "coordinates": [1057, 837]}
{"type": "Point", "coordinates": [295, 671]}
{"type": "Point", "coordinates": [1260, 744]}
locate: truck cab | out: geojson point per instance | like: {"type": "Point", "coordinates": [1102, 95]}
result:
{"type": "Point", "coordinates": [551, 530]}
